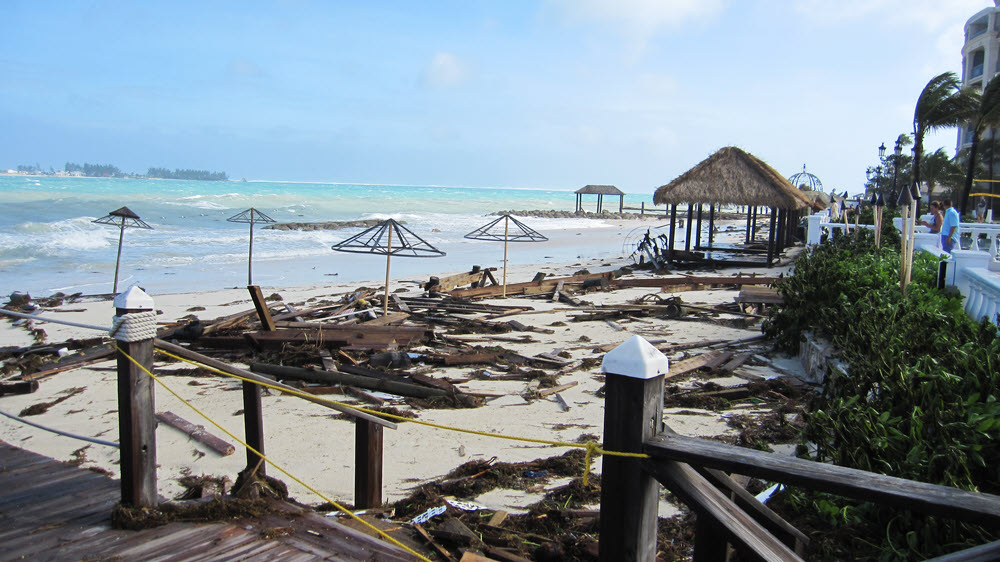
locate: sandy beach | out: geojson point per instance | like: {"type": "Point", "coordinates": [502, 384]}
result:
{"type": "Point", "coordinates": [306, 440]}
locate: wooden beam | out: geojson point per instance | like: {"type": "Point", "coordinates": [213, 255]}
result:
{"type": "Point", "coordinates": [726, 519]}
{"type": "Point", "coordinates": [335, 377]}
{"type": "Point", "coordinates": [941, 501]}
{"type": "Point", "coordinates": [263, 312]}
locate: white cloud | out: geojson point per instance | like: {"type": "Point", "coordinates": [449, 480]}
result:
{"type": "Point", "coordinates": [445, 70]}
{"type": "Point", "coordinates": [638, 20]}
{"type": "Point", "coordinates": [930, 15]}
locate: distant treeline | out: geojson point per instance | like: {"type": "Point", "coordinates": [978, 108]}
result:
{"type": "Point", "coordinates": [109, 171]}
{"type": "Point", "coordinates": [186, 174]}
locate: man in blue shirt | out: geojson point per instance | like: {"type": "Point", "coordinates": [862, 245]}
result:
{"type": "Point", "coordinates": [949, 229]}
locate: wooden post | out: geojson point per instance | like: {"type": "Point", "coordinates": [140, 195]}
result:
{"type": "Point", "coordinates": [253, 410]}
{"type": "Point", "coordinates": [687, 233]}
{"type": "Point", "coordinates": [367, 464]}
{"type": "Point", "coordinates": [697, 234]}
{"type": "Point", "coordinates": [388, 256]}
{"type": "Point", "coordinates": [711, 224]}
{"type": "Point", "coordinates": [633, 412]}
{"type": "Point", "coordinates": [136, 409]}
{"type": "Point", "coordinates": [770, 240]}
{"type": "Point", "coordinates": [673, 230]}
{"type": "Point", "coordinates": [506, 227]}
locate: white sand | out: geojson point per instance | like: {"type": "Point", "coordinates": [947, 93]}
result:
{"type": "Point", "coordinates": [303, 438]}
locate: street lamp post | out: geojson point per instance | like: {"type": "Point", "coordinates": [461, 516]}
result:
{"type": "Point", "coordinates": [898, 151]}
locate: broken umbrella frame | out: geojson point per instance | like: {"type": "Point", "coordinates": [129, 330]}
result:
{"type": "Point", "coordinates": [379, 239]}
{"type": "Point", "coordinates": [250, 216]}
{"type": "Point", "coordinates": [122, 218]}
{"type": "Point", "coordinates": [491, 232]}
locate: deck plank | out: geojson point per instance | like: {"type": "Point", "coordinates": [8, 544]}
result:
{"type": "Point", "coordinates": [51, 510]}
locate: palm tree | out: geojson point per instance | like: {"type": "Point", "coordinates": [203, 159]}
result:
{"type": "Point", "coordinates": [986, 116]}
{"type": "Point", "coordinates": [942, 103]}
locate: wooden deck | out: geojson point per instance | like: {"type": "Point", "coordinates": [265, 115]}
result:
{"type": "Point", "coordinates": [50, 510]}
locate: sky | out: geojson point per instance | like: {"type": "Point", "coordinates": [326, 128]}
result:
{"type": "Point", "coordinates": [550, 94]}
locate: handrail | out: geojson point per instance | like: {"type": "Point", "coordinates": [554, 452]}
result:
{"type": "Point", "coordinates": [942, 501]}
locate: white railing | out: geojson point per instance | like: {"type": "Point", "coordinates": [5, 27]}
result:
{"type": "Point", "coordinates": [983, 296]}
{"type": "Point", "coordinates": [975, 271]}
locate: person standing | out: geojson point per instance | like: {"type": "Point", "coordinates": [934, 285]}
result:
{"type": "Point", "coordinates": [936, 218]}
{"type": "Point", "coordinates": [949, 229]}
{"type": "Point", "coordinates": [981, 210]}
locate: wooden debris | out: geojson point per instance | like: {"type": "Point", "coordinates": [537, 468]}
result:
{"type": "Point", "coordinates": [477, 276]}
{"type": "Point", "coordinates": [196, 432]}
{"type": "Point", "coordinates": [76, 360]}
{"type": "Point", "coordinates": [665, 282]}
{"type": "Point", "coordinates": [193, 356]}
{"type": "Point", "coordinates": [530, 288]}
{"type": "Point", "coordinates": [562, 403]}
{"type": "Point", "coordinates": [18, 387]}
{"type": "Point", "coordinates": [555, 389]}
{"type": "Point", "coordinates": [693, 363]}
{"type": "Point", "coordinates": [440, 549]}
{"type": "Point", "coordinates": [336, 377]}
{"type": "Point", "coordinates": [361, 395]}
{"type": "Point", "coordinates": [497, 518]}
{"type": "Point", "coordinates": [557, 291]}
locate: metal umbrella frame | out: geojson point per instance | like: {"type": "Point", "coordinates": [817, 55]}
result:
{"type": "Point", "coordinates": [489, 231]}
{"type": "Point", "coordinates": [251, 216]}
{"type": "Point", "coordinates": [379, 239]}
{"type": "Point", "coordinates": [122, 218]}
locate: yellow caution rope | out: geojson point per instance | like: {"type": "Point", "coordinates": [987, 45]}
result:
{"type": "Point", "coordinates": [272, 463]}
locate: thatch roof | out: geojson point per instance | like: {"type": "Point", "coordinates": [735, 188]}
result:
{"type": "Point", "coordinates": [732, 176]}
{"type": "Point", "coordinates": [601, 189]}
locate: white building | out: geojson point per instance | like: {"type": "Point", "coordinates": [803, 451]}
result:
{"type": "Point", "coordinates": [980, 57]}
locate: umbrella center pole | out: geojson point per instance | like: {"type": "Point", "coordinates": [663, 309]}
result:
{"type": "Point", "coordinates": [118, 260]}
{"type": "Point", "coordinates": [388, 256]}
{"type": "Point", "coordinates": [250, 255]}
{"type": "Point", "coordinates": [506, 228]}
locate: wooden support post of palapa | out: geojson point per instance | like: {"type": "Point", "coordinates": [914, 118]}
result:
{"type": "Point", "coordinates": [253, 409]}
{"type": "Point", "coordinates": [633, 412]}
{"type": "Point", "coordinates": [136, 424]}
{"type": "Point", "coordinates": [367, 464]}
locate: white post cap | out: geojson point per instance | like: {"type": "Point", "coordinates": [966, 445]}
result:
{"type": "Point", "coordinates": [636, 358]}
{"type": "Point", "coordinates": [134, 299]}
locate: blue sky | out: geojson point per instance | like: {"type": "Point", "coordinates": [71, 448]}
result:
{"type": "Point", "coordinates": [551, 94]}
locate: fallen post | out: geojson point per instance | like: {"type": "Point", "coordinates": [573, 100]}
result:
{"type": "Point", "coordinates": [196, 432]}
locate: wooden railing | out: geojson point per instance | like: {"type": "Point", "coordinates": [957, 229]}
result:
{"type": "Point", "coordinates": [137, 423]}
{"type": "Point", "coordinates": [693, 468]}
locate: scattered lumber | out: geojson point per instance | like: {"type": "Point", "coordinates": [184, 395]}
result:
{"type": "Point", "coordinates": [196, 432]}
{"type": "Point", "coordinates": [665, 282]}
{"type": "Point", "coordinates": [73, 361]}
{"type": "Point", "coordinates": [354, 336]}
{"type": "Point", "coordinates": [476, 276]}
{"type": "Point", "coordinates": [530, 288]}
{"type": "Point", "coordinates": [336, 377]}
{"type": "Point", "coordinates": [193, 356]}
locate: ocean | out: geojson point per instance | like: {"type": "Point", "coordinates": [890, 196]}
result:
{"type": "Point", "coordinates": [49, 242]}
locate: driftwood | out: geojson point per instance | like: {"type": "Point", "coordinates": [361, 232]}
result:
{"type": "Point", "coordinates": [76, 360]}
{"type": "Point", "coordinates": [196, 432]}
{"type": "Point", "coordinates": [693, 280]}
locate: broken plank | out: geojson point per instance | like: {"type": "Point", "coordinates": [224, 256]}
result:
{"type": "Point", "coordinates": [74, 361]}
{"type": "Point", "coordinates": [362, 395]}
{"type": "Point", "coordinates": [557, 290]}
{"type": "Point", "coordinates": [196, 432]}
{"type": "Point", "coordinates": [555, 389]}
{"type": "Point", "coordinates": [400, 304]}
{"type": "Point", "coordinates": [692, 363]}
{"type": "Point", "coordinates": [737, 360]}
{"type": "Point", "coordinates": [528, 288]}
{"type": "Point", "coordinates": [390, 318]}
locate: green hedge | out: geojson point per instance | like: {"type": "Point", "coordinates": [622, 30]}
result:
{"type": "Point", "coordinates": [919, 400]}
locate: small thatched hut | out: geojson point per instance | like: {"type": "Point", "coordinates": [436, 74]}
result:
{"type": "Point", "coordinates": [734, 177]}
{"type": "Point", "coordinates": [600, 191]}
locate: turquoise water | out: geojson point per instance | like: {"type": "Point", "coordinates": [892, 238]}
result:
{"type": "Point", "coordinates": [49, 243]}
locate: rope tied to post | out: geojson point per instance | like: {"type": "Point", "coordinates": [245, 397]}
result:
{"type": "Point", "coordinates": [134, 326]}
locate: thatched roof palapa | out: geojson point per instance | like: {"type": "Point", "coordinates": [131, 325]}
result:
{"type": "Point", "coordinates": [600, 190]}
{"type": "Point", "coordinates": [732, 176]}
